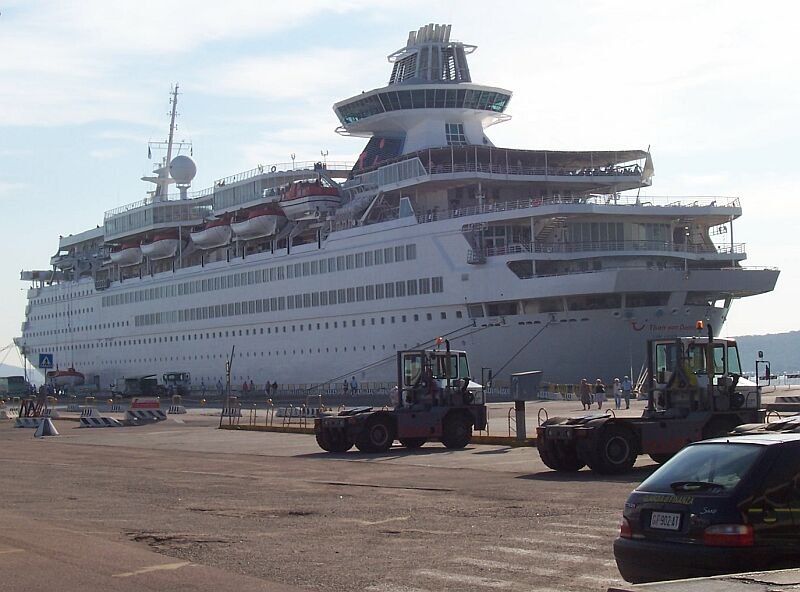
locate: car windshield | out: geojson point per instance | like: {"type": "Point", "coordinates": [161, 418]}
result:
{"type": "Point", "coordinates": [704, 467]}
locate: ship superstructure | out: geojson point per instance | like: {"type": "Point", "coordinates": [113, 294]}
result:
{"type": "Point", "coordinates": [529, 259]}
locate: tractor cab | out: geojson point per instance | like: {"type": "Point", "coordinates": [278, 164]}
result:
{"type": "Point", "coordinates": [698, 374]}
{"type": "Point", "coordinates": [436, 377]}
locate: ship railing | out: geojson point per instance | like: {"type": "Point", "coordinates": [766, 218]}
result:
{"type": "Point", "coordinates": [537, 202]}
{"type": "Point", "coordinates": [238, 178]}
{"type": "Point", "coordinates": [500, 168]}
{"type": "Point", "coordinates": [606, 246]}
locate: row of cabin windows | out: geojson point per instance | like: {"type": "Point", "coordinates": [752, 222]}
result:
{"type": "Point", "coordinates": [296, 328]}
{"type": "Point", "coordinates": [398, 289]}
{"type": "Point", "coordinates": [275, 273]}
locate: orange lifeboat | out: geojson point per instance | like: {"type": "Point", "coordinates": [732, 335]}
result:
{"type": "Point", "coordinates": [161, 245]}
{"type": "Point", "coordinates": [309, 199]}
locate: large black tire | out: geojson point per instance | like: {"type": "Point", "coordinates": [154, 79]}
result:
{"type": "Point", "coordinates": [613, 451]}
{"type": "Point", "coordinates": [377, 435]}
{"type": "Point", "coordinates": [412, 443]}
{"type": "Point", "coordinates": [457, 430]}
{"type": "Point", "coordinates": [333, 440]}
{"type": "Point", "coordinates": [561, 456]}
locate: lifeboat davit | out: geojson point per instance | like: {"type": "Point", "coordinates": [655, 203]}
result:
{"type": "Point", "coordinates": [126, 254]}
{"type": "Point", "coordinates": [258, 222]}
{"type": "Point", "coordinates": [309, 199]}
{"type": "Point", "coordinates": [212, 233]}
{"type": "Point", "coordinates": [161, 245]}
{"type": "Point", "coordinates": [62, 378]}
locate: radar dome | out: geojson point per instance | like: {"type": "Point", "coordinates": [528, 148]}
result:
{"type": "Point", "coordinates": [182, 169]}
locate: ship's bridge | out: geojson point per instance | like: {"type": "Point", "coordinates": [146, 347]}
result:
{"type": "Point", "coordinates": [430, 100]}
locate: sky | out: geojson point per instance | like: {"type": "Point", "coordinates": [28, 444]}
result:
{"type": "Point", "coordinates": [712, 88]}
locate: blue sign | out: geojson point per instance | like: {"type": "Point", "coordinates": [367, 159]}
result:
{"type": "Point", "coordinates": [45, 361]}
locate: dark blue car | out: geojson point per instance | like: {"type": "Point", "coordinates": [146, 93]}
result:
{"type": "Point", "coordinates": [726, 505]}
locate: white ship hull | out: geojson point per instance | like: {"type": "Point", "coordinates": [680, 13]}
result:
{"type": "Point", "coordinates": [527, 259]}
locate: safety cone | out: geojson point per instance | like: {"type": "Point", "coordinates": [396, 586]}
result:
{"type": "Point", "coordinates": [46, 428]}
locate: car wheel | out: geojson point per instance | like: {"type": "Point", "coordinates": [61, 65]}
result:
{"type": "Point", "coordinates": [561, 456]}
{"type": "Point", "coordinates": [376, 436]}
{"type": "Point", "coordinates": [457, 430]}
{"type": "Point", "coordinates": [614, 450]}
{"type": "Point", "coordinates": [333, 440]}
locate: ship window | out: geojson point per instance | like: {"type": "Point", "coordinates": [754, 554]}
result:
{"type": "Point", "coordinates": [323, 298]}
{"type": "Point", "coordinates": [368, 259]}
{"type": "Point", "coordinates": [360, 293]}
{"type": "Point", "coordinates": [281, 303]}
{"type": "Point", "coordinates": [315, 299]}
{"type": "Point", "coordinates": [378, 256]}
{"type": "Point", "coordinates": [437, 284]}
{"type": "Point", "coordinates": [454, 134]}
{"type": "Point", "coordinates": [458, 314]}
{"type": "Point", "coordinates": [342, 295]}
{"type": "Point", "coordinates": [306, 268]}
{"type": "Point", "coordinates": [646, 299]}
{"type": "Point", "coordinates": [388, 255]}
{"type": "Point", "coordinates": [298, 270]}
{"type": "Point", "coordinates": [323, 266]}
{"type": "Point", "coordinates": [424, 286]}
{"type": "Point", "coordinates": [332, 297]}
{"type": "Point", "coordinates": [340, 263]}
{"type": "Point", "coordinates": [390, 289]}
{"type": "Point", "coordinates": [429, 316]}
{"type": "Point", "coordinates": [306, 300]}
{"type": "Point", "coordinates": [280, 272]}
{"type": "Point", "coordinates": [314, 267]}
{"type": "Point", "coordinates": [474, 311]}
{"type": "Point", "coordinates": [379, 291]}
{"type": "Point", "coordinates": [399, 253]}
{"type": "Point", "coordinates": [400, 288]}
{"type": "Point", "coordinates": [350, 262]}
{"type": "Point", "coordinates": [331, 264]}
{"type": "Point", "coordinates": [351, 294]}
{"type": "Point", "coordinates": [289, 272]}
{"type": "Point", "coordinates": [411, 252]}
{"type": "Point", "coordinates": [411, 287]}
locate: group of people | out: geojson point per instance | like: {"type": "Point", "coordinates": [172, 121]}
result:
{"type": "Point", "coordinates": [620, 390]}
{"type": "Point", "coordinates": [351, 386]}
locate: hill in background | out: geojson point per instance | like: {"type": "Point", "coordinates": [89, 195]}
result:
{"type": "Point", "coordinates": [781, 349]}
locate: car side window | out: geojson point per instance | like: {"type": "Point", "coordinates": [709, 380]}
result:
{"type": "Point", "coordinates": [782, 483]}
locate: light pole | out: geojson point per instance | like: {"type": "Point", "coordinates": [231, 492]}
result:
{"type": "Point", "coordinates": [293, 155]}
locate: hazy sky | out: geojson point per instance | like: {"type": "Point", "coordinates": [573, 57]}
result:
{"type": "Point", "coordinates": [712, 87]}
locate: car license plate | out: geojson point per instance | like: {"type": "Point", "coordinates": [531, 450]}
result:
{"type": "Point", "coordinates": [665, 520]}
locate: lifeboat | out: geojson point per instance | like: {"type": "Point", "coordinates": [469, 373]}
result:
{"type": "Point", "coordinates": [309, 199]}
{"type": "Point", "coordinates": [62, 378]}
{"type": "Point", "coordinates": [212, 233]}
{"type": "Point", "coordinates": [126, 254]}
{"type": "Point", "coordinates": [258, 222]}
{"type": "Point", "coordinates": [161, 245]}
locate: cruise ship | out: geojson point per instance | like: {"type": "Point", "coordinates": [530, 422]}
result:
{"type": "Point", "coordinates": [312, 273]}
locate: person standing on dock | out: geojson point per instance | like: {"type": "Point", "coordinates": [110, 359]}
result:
{"type": "Point", "coordinates": [599, 393]}
{"type": "Point", "coordinates": [617, 394]}
{"type": "Point", "coordinates": [586, 394]}
{"type": "Point", "coordinates": [627, 387]}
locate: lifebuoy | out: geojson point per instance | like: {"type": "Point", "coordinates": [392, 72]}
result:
{"type": "Point", "coordinates": [273, 169]}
